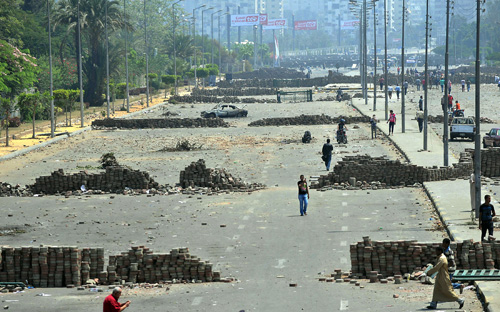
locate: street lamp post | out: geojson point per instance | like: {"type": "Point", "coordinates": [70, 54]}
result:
{"type": "Point", "coordinates": [203, 35]}
{"type": "Point", "coordinates": [477, 137]}
{"type": "Point", "coordinates": [194, 42]}
{"type": "Point", "coordinates": [220, 44]}
{"type": "Point", "coordinates": [445, 100]}
{"type": "Point", "coordinates": [147, 53]}
{"type": "Point", "coordinates": [126, 55]}
{"type": "Point", "coordinates": [374, 56]}
{"type": "Point", "coordinates": [175, 52]}
{"type": "Point", "coordinates": [212, 35]}
{"type": "Point", "coordinates": [80, 65]}
{"type": "Point", "coordinates": [107, 57]}
{"type": "Point", "coordinates": [403, 69]}
{"type": "Point", "coordinates": [385, 62]}
{"type": "Point", "coordinates": [52, 123]}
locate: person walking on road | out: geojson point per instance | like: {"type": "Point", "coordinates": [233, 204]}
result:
{"type": "Point", "coordinates": [441, 82]}
{"type": "Point", "coordinates": [468, 85]}
{"type": "Point", "coordinates": [463, 84]}
{"type": "Point", "coordinates": [373, 126]}
{"type": "Point", "coordinates": [452, 266]}
{"type": "Point", "coordinates": [398, 90]}
{"type": "Point", "coordinates": [303, 195]}
{"type": "Point", "coordinates": [449, 86]}
{"type": "Point", "coordinates": [418, 82]}
{"type": "Point", "coordinates": [443, 291]}
{"type": "Point", "coordinates": [486, 214]}
{"type": "Point", "coordinates": [327, 153]}
{"type": "Point", "coordinates": [421, 103]}
{"type": "Point", "coordinates": [420, 119]}
{"type": "Point", "coordinates": [392, 122]}
{"type": "Point", "coordinates": [381, 82]}
{"type": "Point", "coordinates": [111, 303]}
{"type": "Point", "coordinates": [389, 92]}
{"type": "Point", "coordinates": [405, 86]}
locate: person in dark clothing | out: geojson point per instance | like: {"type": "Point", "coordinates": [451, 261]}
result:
{"type": "Point", "coordinates": [327, 153]}
{"type": "Point", "coordinates": [303, 195]}
{"type": "Point", "coordinates": [421, 104]}
{"type": "Point", "coordinates": [373, 123]}
{"type": "Point", "coordinates": [486, 214]}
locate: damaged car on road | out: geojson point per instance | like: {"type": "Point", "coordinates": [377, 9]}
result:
{"type": "Point", "coordinates": [225, 111]}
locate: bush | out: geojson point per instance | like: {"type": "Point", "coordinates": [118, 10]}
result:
{"type": "Point", "coordinates": [14, 122]}
{"type": "Point", "coordinates": [121, 88]}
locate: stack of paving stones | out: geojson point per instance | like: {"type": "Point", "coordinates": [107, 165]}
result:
{"type": "Point", "coordinates": [139, 265]}
{"type": "Point", "coordinates": [7, 190]}
{"type": "Point", "coordinates": [214, 99]}
{"type": "Point", "coordinates": [490, 161]}
{"type": "Point", "coordinates": [115, 178]}
{"type": "Point", "coordinates": [306, 120]}
{"type": "Point", "coordinates": [50, 266]}
{"type": "Point", "coordinates": [159, 123]}
{"type": "Point", "coordinates": [380, 172]}
{"type": "Point", "coordinates": [440, 119]}
{"type": "Point", "coordinates": [234, 92]}
{"type": "Point", "coordinates": [198, 175]}
{"type": "Point", "coordinates": [376, 259]}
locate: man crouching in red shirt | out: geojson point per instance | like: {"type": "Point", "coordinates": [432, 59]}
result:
{"type": "Point", "coordinates": [111, 303]}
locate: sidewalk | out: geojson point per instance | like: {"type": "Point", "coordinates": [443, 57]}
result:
{"type": "Point", "coordinates": [450, 198]}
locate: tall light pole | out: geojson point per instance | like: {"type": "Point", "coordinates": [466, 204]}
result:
{"type": "Point", "coordinates": [107, 56]}
{"type": "Point", "coordinates": [203, 35]}
{"type": "Point", "coordinates": [147, 53]}
{"type": "Point", "coordinates": [477, 137]}
{"type": "Point", "coordinates": [212, 35]}
{"type": "Point", "coordinates": [194, 43]}
{"type": "Point", "coordinates": [375, 56]}
{"type": "Point", "coordinates": [175, 51]}
{"type": "Point", "coordinates": [126, 54]}
{"type": "Point", "coordinates": [365, 57]}
{"type": "Point", "coordinates": [254, 46]}
{"type": "Point", "coordinates": [385, 62]}
{"type": "Point", "coordinates": [445, 102]}
{"type": "Point", "coordinates": [80, 65]}
{"type": "Point", "coordinates": [403, 69]}
{"type": "Point", "coordinates": [426, 75]}
{"type": "Point", "coordinates": [220, 44]}
{"type": "Point", "coordinates": [52, 123]}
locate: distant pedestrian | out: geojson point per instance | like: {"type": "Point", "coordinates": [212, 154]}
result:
{"type": "Point", "coordinates": [381, 82]}
{"type": "Point", "coordinates": [399, 69]}
{"type": "Point", "coordinates": [111, 303]}
{"type": "Point", "coordinates": [450, 101]}
{"type": "Point", "coordinates": [327, 153]}
{"type": "Point", "coordinates": [443, 291]}
{"type": "Point", "coordinates": [420, 119]}
{"type": "Point", "coordinates": [389, 92]}
{"type": "Point", "coordinates": [303, 195]}
{"type": "Point", "coordinates": [418, 82]}
{"type": "Point", "coordinates": [486, 214]}
{"type": "Point", "coordinates": [457, 106]}
{"type": "Point", "coordinates": [405, 86]}
{"type": "Point", "coordinates": [468, 85]}
{"type": "Point", "coordinates": [423, 84]}
{"type": "Point", "coordinates": [398, 90]}
{"type": "Point", "coordinates": [421, 104]}
{"type": "Point", "coordinates": [499, 85]}
{"type": "Point", "coordinates": [441, 82]}
{"type": "Point", "coordinates": [392, 122]}
{"type": "Point", "coordinates": [452, 265]}
{"type": "Point", "coordinates": [373, 124]}
{"type": "Point", "coordinates": [463, 84]}
{"type": "Point", "coordinates": [449, 86]}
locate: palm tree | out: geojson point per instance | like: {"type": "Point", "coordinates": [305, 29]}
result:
{"type": "Point", "coordinates": [92, 20]}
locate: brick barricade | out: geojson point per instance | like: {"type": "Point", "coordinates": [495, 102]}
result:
{"type": "Point", "coordinates": [115, 178]}
{"type": "Point", "coordinates": [63, 266]}
{"type": "Point", "coordinates": [159, 123]}
{"type": "Point", "coordinates": [306, 120]}
{"type": "Point", "coordinates": [234, 92]}
{"type": "Point", "coordinates": [391, 258]}
{"type": "Point", "coordinates": [389, 172]}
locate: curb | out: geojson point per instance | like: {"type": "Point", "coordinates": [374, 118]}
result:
{"type": "Point", "coordinates": [59, 138]}
{"type": "Point", "coordinates": [441, 213]}
{"type": "Point", "coordinates": [486, 305]}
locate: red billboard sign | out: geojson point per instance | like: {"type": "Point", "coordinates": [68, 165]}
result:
{"type": "Point", "coordinates": [263, 19]}
{"type": "Point", "coordinates": [306, 25]}
{"type": "Point", "coordinates": [244, 20]}
{"type": "Point", "coordinates": [275, 24]}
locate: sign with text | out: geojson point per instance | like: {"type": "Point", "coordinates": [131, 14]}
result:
{"type": "Point", "coordinates": [263, 19]}
{"type": "Point", "coordinates": [275, 24]}
{"type": "Point", "coordinates": [306, 25]}
{"type": "Point", "coordinates": [349, 25]}
{"type": "Point", "coordinates": [244, 20]}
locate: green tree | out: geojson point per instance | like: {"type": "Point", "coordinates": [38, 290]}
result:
{"type": "Point", "coordinates": [245, 51]}
{"type": "Point", "coordinates": [6, 107]}
{"type": "Point", "coordinates": [32, 103]}
{"type": "Point", "coordinates": [17, 69]}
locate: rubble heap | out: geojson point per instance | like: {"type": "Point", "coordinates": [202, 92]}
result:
{"type": "Point", "coordinates": [64, 266]}
{"type": "Point", "coordinates": [115, 178]}
{"type": "Point", "coordinates": [391, 258]}
{"type": "Point", "coordinates": [387, 172]}
{"type": "Point", "coordinates": [50, 266]}
{"type": "Point", "coordinates": [234, 92]}
{"type": "Point", "coordinates": [198, 175]}
{"type": "Point", "coordinates": [306, 120]}
{"type": "Point", "coordinates": [159, 123]}
{"type": "Point", "coordinates": [271, 73]}
{"type": "Point", "coordinates": [214, 99]}
{"type": "Point", "coordinates": [440, 119]}
{"type": "Point", "coordinates": [7, 190]}
{"type": "Point", "coordinates": [139, 265]}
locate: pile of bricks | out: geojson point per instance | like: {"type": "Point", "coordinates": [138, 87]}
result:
{"type": "Point", "coordinates": [50, 266]}
{"type": "Point", "coordinates": [159, 123]}
{"type": "Point", "coordinates": [306, 120]}
{"type": "Point", "coordinates": [115, 178]}
{"type": "Point", "coordinates": [73, 266]}
{"type": "Point", "coordinates": [390, 258]}
{"type": "Point", "coordinates": [198, 175]}
{"type": "Point", "coordinates": [7, 190]}
{"type": "Point", "coordinates": [214, 99]}
{"type": "Point", "coordinates": [387, 172]}
{"type": "Point", "coordinates": [490, 161]}
{"type": "Point", "coordinates": [234, 91]}
{"type": "Point", "coordinates": [140, 264]}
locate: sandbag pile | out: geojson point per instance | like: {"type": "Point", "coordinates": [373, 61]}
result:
{"type": "Point", "coordinates": [391, 258]}
{"type": "Point", "coordinates": [115, 178]}
{"type": "Point", "coordinates": [159, 123]}
{"type": "Point", "coordinates": [234, 92]}
{"type": "Point", "coordinates": [139, 265]}
{"type": "Point", "coordinates": [50, 266]}
{"type": "Point", "coordinates": [306, 120]}
{"type": "Point", "coordinates": [389, 172]}
{"type": "Point", "coordinates": [198, 175]}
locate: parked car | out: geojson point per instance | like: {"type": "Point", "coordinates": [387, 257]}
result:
{"type": "Point", "coordinates": [225, 110]}
{"type": "Point", "coordinates": [462, 127]}
{"type": "Point", "coordinates": [492, 138]}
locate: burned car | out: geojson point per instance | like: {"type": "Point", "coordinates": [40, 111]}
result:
{"type": "Point", "coordinates": [225, 111]}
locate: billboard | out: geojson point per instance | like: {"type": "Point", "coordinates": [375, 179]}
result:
{"type": "Point", "coordinates": [306, 25]}
{"type": "Point", "coordinates": [275, 24]}
{"type": "Point", "coordinates": [244, 20]}
{"type": "Point", "coordinates": [263, 19]}
{"type": "Point", "coordinates": [348, 25]}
